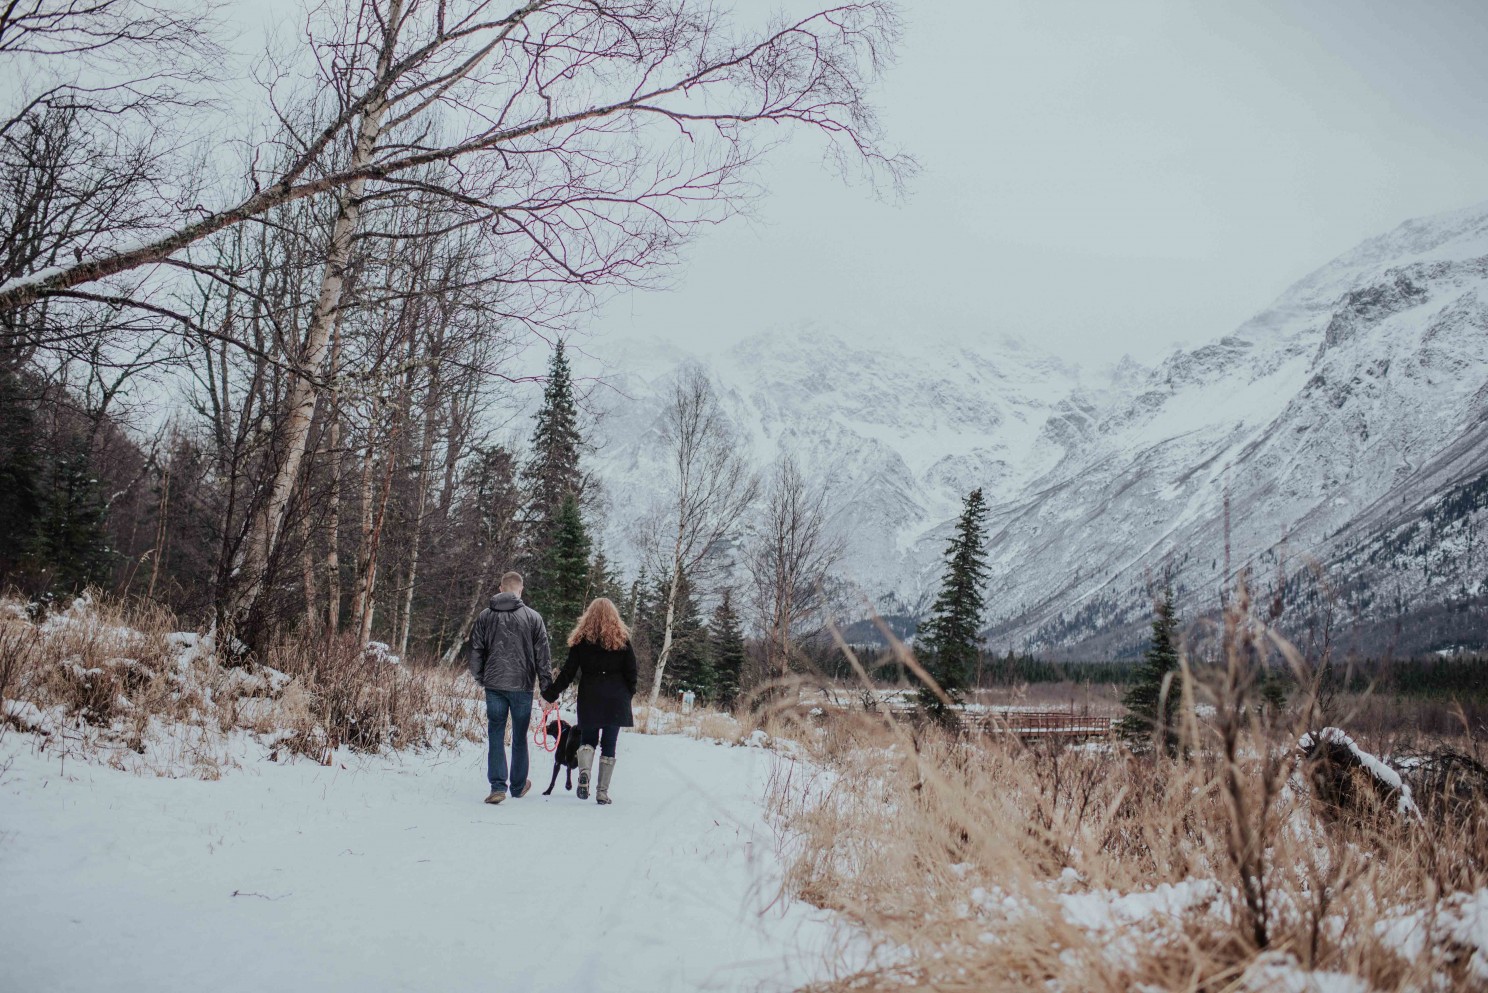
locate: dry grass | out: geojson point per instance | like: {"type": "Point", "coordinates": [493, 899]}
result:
{"type": "Point", "coordinates": [342, 695]}
{"type": "Point", "coordinates": [116, 679]}
{"type": "Point", "coordinates": [985, 864]}
{"type": "Point", "coordinates": [702, 722]}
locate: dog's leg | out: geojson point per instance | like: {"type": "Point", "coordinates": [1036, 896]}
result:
{"type": "Point", "coordinates": [568, 779]}
{"type": "Point", "coordinates": [552, 782]}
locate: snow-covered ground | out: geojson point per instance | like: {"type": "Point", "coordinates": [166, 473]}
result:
{"type": "Point", "coordinates": [388, 873]}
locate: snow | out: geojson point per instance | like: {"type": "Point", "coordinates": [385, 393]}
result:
{"type": "Point", "coordinates": [1107, 910]}
{"type": "Point", "coordinates": [1461, 919]}
{"type": "Point", "coordinates": [24, 715]}
{"type": "Point", "coordinates": [1370, 762]}
{"type": "Point", "coordinates": [1282, 973]}
{"type": "Point", "coordinates": [388, 873]}
{"type": "Point", "coordinates": [378, 651]}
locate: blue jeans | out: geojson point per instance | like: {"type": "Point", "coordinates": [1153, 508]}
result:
{"type": "Point", "coordinates": [500, 703]}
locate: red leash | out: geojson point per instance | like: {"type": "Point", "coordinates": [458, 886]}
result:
{"type": "Point", "coordinates": [540, 735]}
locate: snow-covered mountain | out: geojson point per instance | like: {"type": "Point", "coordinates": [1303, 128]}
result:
{"type": "Point", "coordinates": [900, 438]}
{"type": "Point", "coordinates": [1349, 410]}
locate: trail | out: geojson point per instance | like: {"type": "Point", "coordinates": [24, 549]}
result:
{"type": "Point", "coordinates": [390, 874]}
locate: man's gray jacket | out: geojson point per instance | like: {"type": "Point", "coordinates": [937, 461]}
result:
{"type": "Point", "coordinates": [509, 646]}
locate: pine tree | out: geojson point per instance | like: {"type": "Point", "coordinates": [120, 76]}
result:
{"type": "Point", "coordinates": [726, 649]}
{"type": "Point", "coordinates": [635, 603]}
{"type": "Point", "coordinates": [643, 624]}
{"type": "Point", "coordinates": [604, 581]}
{"type": "Point", "coordinates": [71, 540]}
{"type": "Point", "coordinates": [950, 640]}
{"type": "Point", "coordinates": [1143, 724]}
{"type": "Point", "coordinates": [551, 476]}
{"type": "Point", "coordinates": [688, 668]}
{"type": "Point", "coordinates": [20, 474]}
{"type": "Point", "coordinates": [562, 589]}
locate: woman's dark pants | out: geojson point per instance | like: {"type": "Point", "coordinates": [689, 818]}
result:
{"type": "Point", "coordinates": [606, 737]}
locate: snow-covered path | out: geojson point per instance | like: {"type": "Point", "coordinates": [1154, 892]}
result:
{"type": "Point", "coordinates": [391, 874]}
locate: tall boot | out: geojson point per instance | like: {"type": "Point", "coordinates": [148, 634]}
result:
{"type": "Point", "coordinates": [606, 770]}
{"type": "Point", "coordinates": [586, 759]}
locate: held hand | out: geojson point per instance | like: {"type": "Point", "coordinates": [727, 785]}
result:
{"type": "Point", "coordinates": [549, 695]}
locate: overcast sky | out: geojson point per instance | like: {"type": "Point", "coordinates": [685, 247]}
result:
{"type": "Point", "coordinates": [1105, 177]}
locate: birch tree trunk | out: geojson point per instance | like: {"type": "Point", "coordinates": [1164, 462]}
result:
{"type": "Point", "coordinates": [368, 581]}
{"type": "Point", "coordinates": [666, 641]}
{"type": "Point", "coordinates": [426, 454]}
{"type": "Point", "coordinates": [268, 523]}
{"type": "Point", "coordinates": [307, 567]}
{"type": "Point", "coordinates": [364, 543]}
{"type": "Point", "coordinates": [333, 526]}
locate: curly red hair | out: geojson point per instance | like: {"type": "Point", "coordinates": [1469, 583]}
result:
{"type": "Point", "coordinates": [601, 625]}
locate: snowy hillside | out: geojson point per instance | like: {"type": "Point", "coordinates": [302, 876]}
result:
{"type": "Point", "coordinates": [1358, 396]}
{"type": "Point", "coordinates": [1323, 414]}
{"type": "Point", "coordinates": [901, 434]}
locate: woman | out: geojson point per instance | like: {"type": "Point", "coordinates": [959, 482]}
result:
{"type": "Point", "coordinates": [599, 653]}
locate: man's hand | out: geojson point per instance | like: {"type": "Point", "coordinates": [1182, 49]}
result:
{"type": "Point", "coordinates": [549, 695]}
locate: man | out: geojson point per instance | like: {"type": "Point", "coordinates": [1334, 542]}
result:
{"type": "Point", "coordinates": [508, 650]}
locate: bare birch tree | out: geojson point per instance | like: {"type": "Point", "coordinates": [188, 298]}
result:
{"type": "Point", "coordinates": [790, 553]}
{"type": "Point", "coordinates": [710, 486]}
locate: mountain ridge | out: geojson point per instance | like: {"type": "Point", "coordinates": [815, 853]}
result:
{"type": "Point", "coordinates": [1314, 417]}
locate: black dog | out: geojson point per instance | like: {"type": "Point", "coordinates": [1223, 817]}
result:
{"type": "Point", "coordinates": [567, 755]}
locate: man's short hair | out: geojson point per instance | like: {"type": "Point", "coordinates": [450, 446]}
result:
{"type": "Point", "coordinates": [511, 582]}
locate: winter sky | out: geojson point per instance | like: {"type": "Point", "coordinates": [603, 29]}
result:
{"type": "Point", "coordinates": [1098, 177]}
{"type": "Point", "coordinates": [1105, 176]}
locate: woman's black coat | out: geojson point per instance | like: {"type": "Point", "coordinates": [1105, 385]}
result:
{"type": "Point", "coordinates": [607, 681]}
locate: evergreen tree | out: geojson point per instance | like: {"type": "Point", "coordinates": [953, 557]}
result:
{"type": "Point", "coordinates": [604, 581]}
{"type": "Point", "coordinates": [562, 589]}
{"type": "Point", "coordinates": [644, 624]}
{"type": "Point", "coordinates": [950, 640]}
{"type": "Point", "coordinates": [71, 538]}
{"type": "Point", "coordinates": [726, 649]}
{"type": "Point", "coordinates": [1143, 724]}
{"type": "Point", "coordinates": [688, 667]}
{"type": "Point", "coordinates": [551, 475]}
{"type": "Point", "coordinates": [635, 603]}
{"type": "Point", "coordinates": [20, 475]}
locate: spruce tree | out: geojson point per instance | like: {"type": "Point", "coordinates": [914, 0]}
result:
{"type": "Point", "coordinates": [688, 666]}
{"type": "Point", "coordinates": [604, 581]}
{"type": "Point", "coordinates": [20, 474]}
{"type": "Point", "coordinates": [1151, 708]}
{"type": "Point", "coordinates": [644, 624]}
{"type": "Point", "coordinates": [562, 589]}
{"type": "Point", "coordinates": [950, 640]}
{"type": "Point", "coordinates": [551, 475]}
{"type": "Point", "coordinates": [71, 540]}
{"type": "Point", "coordinates": [726, 649]}
{"type": "Point", "coordinates": [635, 603]}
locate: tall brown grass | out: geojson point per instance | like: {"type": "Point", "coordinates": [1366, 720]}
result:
{"type": "Point", "coordinates": [347, 696]}
{"type": "Point", "coordinates": [110, 676]}
{"type": "Point", "coordinates": [984, 863]}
